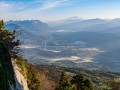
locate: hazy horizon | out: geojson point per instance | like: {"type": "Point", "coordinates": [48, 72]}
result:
{"type": "Point", "coordinates": [51, 10]}
{"type": "Point", "coordinates": [60, 19]}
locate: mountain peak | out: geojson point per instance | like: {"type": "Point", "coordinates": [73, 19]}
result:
{"type": "Point", "coordinates": [73, 18]}
{"type": "Point", "coordinates": [28, 25]}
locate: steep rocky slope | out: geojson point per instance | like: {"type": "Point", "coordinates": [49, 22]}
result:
{"type": "Point", "coordinates": [21, 81]}
{"type": "Point", "coordinates": [30, 77]}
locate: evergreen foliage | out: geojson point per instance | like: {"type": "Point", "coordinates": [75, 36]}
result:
{"type": "Point", "coordinates": [64, 83]}
{"type": "Point", "coordinates": [7, 44]}
{"type": "Point", "coordinates": [81, 83]}
{"type": "Point", "coordinates": [78, 82]}
{"type": "Point", "coordinates": [9, 39]}
{"type": "Point", "coordinates": [21, 64]}
{"type": "Point", "coordinates": [32, 79]}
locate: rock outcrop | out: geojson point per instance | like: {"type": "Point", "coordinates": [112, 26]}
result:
{"type": "Point", "coordinates": [21, 81]}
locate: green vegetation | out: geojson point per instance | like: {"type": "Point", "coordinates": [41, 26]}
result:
{"type": "Point", "coordinates": [78, 82]}
{"type": "Point", "coordinates": [32, 79]}
{"type": "Point", "coordinates": [6, 70]}
{"type": "Point", "coordinates": [21, 64]}
{"type": "Point", "coordinates": [9, 39]}
{"type": "Point", "coordinates": [64, 83]}
{"type": "Point", "coordinates": [7, 43]}
{"type": "Point", "coordinates": [101, 80]}
{"type": "Point", "coordinates": [81, 83]}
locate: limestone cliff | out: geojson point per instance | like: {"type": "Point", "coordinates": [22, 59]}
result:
{"type": "Point", "coordinates": [20, 80]}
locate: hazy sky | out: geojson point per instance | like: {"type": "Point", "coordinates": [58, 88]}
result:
{"type": "Point", "coordinates": [46, 10]}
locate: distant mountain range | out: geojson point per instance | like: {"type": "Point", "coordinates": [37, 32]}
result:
{"type": "Point", "coordinates": [62, 35]}
{"type": "Point", "coordinates": [78, 24]}
{"type": "Point", "coordinates": [69, 24]}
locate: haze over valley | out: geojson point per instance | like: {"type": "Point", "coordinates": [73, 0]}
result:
{"type": "Point", "coordinates": [72, 42]}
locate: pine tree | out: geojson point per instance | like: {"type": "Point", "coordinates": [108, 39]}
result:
{"type": "Point", "coordinates": [7, 47]}
{"type": "Point", "coordinates": [88, 85]}
{"type": "Point", "coordinates": [9, 39]}
{"type": "Point", "coordinates": [80, 83]}
{"type": "Point", "coordinates": [64, 83]}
